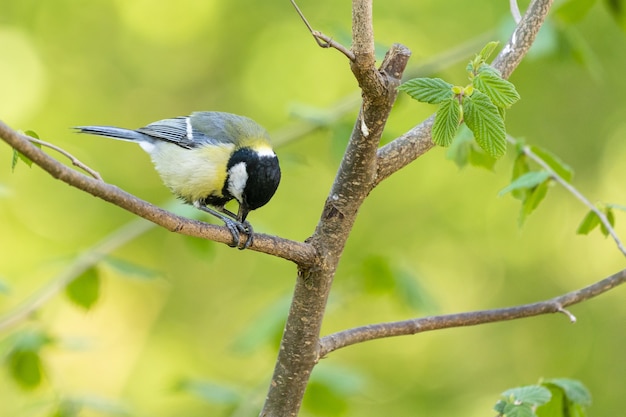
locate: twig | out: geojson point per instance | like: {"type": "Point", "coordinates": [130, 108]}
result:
{"type": "Point", "coordinates": [69, 156]}
{"type": "Point", "coordinates": [572, 190]}
{"type": "Point", "coordinates": [321, 39]}
{"type": "Point", "coordinates": [517, 16]}
{"type": "Point", "coordinates": [356, 335]}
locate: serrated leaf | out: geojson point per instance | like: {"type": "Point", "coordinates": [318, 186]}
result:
{"type": "Point", "coordinates": [447, 122]}
{"type": "Point", "coordinates": [532, 200]}
{"type": "Point", "coordinates": [85, 289]}
{"type": "Point", "coordinates": [528, 180]}
{"type": "Point", "coordinates": [589, 222]}
{"type": "Point", "coordinates": [531, 394]}
{"type": "Point", "coordinates": [428, 90]}
{"type": "Point", "coordinates": [553, 161]}
{"type": "Point", "coordinates": [501, 92]}
{"type": "Point", "coordinates": [25, 368]}
{"type": "Point", "coordinates": [575, 391]}
{"type": "Point", "coordinates": [484, 120]}
{"type": "Point", "coordinates": [131, 269]}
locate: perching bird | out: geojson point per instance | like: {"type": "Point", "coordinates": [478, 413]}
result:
{"type": "Point", "coordinates": [208, 159]}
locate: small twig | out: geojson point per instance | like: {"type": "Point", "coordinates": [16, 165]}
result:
{"type": "Point", "coordinates": [572, 190]}
{"type": "Point", "coordinates": [517, 16]}
{"type": "Point", "coordinates": [570, 316]}
{"type": "Point", "coordinates": [69, 156]}
{"type": "Point", "coordinates": [321, 39]}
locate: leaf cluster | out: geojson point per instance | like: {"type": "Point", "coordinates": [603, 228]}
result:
{"type": "Point", "coordinates": [480, 105]}
{"type": "Point", "coordinates": [559, 397]}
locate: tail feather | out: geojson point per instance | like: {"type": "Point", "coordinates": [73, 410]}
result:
{"type": "Point", "coordinates": [115, 132]}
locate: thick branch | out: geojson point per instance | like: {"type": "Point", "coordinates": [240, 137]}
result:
{"type": "Point", "coordinates": [300, 253]}
{"type": "Point", "coordinates": [350, 337]}
{"type": "Point", "coordinates": [405, 149]}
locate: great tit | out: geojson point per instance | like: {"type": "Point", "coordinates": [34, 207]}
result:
{"type": "Point", "coordinates": [208, 159]}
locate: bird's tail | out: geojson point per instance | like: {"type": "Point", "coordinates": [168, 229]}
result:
{"type": "Point", "coordinates": [115, 132]}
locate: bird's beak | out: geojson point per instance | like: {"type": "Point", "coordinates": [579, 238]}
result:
{"type": "Point", "coordinates": [243, 212]}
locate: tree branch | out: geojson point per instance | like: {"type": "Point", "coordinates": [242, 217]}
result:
{"type": "Point", "coordinates": [356, 335]}
{"type": "Point", "coordinates": [300, 253]}
{"type": "Point", "coordinates": [405, 149]}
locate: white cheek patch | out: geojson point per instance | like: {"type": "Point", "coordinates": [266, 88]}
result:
{"type": "Point", "coordinates": [237, 179]}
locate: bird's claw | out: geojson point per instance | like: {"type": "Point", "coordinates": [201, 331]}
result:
{"type": "Point", "coordinates": [236, 228]}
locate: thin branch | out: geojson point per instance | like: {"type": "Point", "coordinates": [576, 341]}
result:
{"type": "Point", "coordinates": [356, 335]}
{"type": "Point", "coordinates": [572, 190]}
{"type": "Point", "coordinates": [321, 39]}
{"type": "Point", "coordinates": [517, 16]}
{"type": "Point", "coordinates": [69, 156]}
{"type": "Point", "coordinates": [85, 261]}
{"type": "Point", "coordinates": [300, 253]}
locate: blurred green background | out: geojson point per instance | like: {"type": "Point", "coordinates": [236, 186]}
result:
{"type": "Point", "coordinates": [432, 239]}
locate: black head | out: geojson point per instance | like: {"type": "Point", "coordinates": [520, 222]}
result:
{"type": "Point", "coordinates": [253, 177]}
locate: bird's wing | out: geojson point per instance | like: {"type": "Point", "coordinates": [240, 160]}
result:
{"type": "Point", "coordinates": [177, 131]}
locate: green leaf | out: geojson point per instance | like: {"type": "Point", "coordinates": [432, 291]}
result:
{"type": "Point", "coordinates": [210, 392]}
{"type": "Point", "coordinates": [501, 92]}
{"type": "Point", "coordinates": [25, 368]}
{"type": "Point", "coordinates": [528, 180]}
{"type": "Point", "coordinates": [459, 150]}
{"type": "Point", "coordinates": [486, 52]}
{"type": "Point", "coordinates": [611, 219]}
{"type": "Point", "coordinates": [428, 90]}
{"type": "Point", "coordinates": [447, 122]}
{"type": "Point", "coordinates": [131, 269]}
{"type": "Point", "coordinates": [520, 167]}
{"type": "Point", "coordinates": [478, 158]}
{"type": "Point", "coordinates": [555, 407]}
{"type": "Point", "coordinates": [85, 289]}
{"type": "Point", "coordinates": [328, 390]}
{"type": "Point", "coordinates": [531, 394]}
{"type": "Point", "coordinates": [484, 120]}
{"type": "Point", "coordinates": [532, 200]}
{"type": "Point", "coordinates": [589, 222]}
{"type": "Point", "coordinates": [553, 161]}
{"type": "Point", "coordinates": [19, 156]}
{"type": "Point", "coordinates": [378, 275]}
{"type": "Point", "coordinates": [573, 11]}
{"type": "Point", "coordinates": [575, 391]}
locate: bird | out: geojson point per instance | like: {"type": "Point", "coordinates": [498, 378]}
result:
{"type": "Point", "coordinates": [208, 159]}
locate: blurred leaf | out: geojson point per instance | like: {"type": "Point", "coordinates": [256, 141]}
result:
{"type": "Point", "coordinates": [85, 289]}
{"type": "Point", "coordinates": [267, 327]}
{"type": "Point", "coordinates": [484, 120]}
{"type": "Point", "coordinates": [66, 409]}
{"type": "Point", "coordinates": [575, 391]}
{"type": "Point", "coordinates": [210, 392]}
{"type": "Point", "coordinates": [329, 389]}
{"type": "Point", "coordinates": [447, 122]}
{"type": "Point", "coordinates": [528, 180]}
{"type": "Point", "coordinates": [561, 168]}
{"type": "Point", "coordinates": [25, 368]}
{"type": "Point", "coordinates": [555, 407]}
{"type": "Point", "coordinates": [572, 11]}
{"type": "Point", "coordinates": [19, 156]}
{"type": "Point", "coordinates": [611, 219]}
{"type": "Point", "coordinates": [4, 287]}
{"type": "Point", "coordinates": [530, 394]}
{"type": "Point", "coordinates": [532, 200]}
{"type": "Point", "coordinates": [589, 222]}
{"type": "Point", "coordinates": [428, 90]}
{"type": "Point", "coordinates": [478, 158]}
{"type": "Point", "coordinates": [616, 206]}
{"type": "Point", "coordinates": [520, 167]}
{"type": "Point", "coordinates": [618, 10]}
{"type": "Point", "coordinates": [412, 293]}
{"type": "Point", "coordinates": [202, 248]}
{"type": "Point", "coordinates": [460, 148]}
{"type": "Point", "coordinates": [377, 274]}
{"type": "Point", "coordinates": [501, 92]}
{"type": "Point", "coordinates": [131, 269]}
